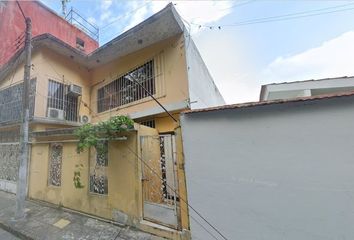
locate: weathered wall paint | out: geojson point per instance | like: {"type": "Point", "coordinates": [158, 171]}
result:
{"type": "Point", "coordinates": [44, 20]}
{"type": "Point", "coordinates": [175, 85]}
{"type": "Point", "coordinates": [273, 172]}
{"type": "Point", "coordinates": [123, 203]}
{"type": "Point", "coordinates": [202, 89]}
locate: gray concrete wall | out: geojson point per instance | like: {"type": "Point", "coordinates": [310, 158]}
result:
{"type": "Point", "coordinates": [273, 172]}
{"type": "Point", "coordinates": [202, 90]}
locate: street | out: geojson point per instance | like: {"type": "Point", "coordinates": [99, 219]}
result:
{"type": "Point", "coordinates": [7, 236]}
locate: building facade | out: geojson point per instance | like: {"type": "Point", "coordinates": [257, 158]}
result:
{"type": "Point", "coordinates": [307, 88]}
{"type": "Point", "coordinates": [280, 169]}
{"type": "Point", "coordinates": [44, 20]}
{"type": "Point", "coordinates": [141, 181]}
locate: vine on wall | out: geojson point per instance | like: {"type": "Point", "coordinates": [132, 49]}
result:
{"type": "Point", "coordinates": [91, 135]}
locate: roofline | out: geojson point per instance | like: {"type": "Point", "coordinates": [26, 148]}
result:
{"type": "Point", "coordinates": [62, 18]}
{"type": "Point", "coordinates": [309, 80]}
{"type": "Point", "coordinates": [131, 30]}
{"type": "Point", "coordinates": [77, 55]}
{"type": "Point", "coordinates": [272, 102]}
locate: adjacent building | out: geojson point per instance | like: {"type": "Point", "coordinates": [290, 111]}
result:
{"type": "Point", "coordinates": [140, 181]}
{"type": "Point", "coordinates": [74, 31]}
{"type": "Point", "coordinates": [307, 88]}
{"type": "Point", "coordinates": [280, 169]}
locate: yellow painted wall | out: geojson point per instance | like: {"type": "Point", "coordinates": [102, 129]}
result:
{"type": "Point", "coordinates": [49, 65]}
{"type": "Point", "coordinates": [121, 174]}
{"type": "Point", "coordinates": [175, 84]}
{"type": "Point", "coordinates": [124, 172]}
{"type": "Point", "coordinates": [64, 70]}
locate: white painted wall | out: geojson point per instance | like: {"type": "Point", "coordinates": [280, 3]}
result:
{"type": "Point", "coordinates": [306, 88]}
{"type": "Point", "coordinates": [202, 90]}
{"type": "Point", "coordinates": [273, 172]}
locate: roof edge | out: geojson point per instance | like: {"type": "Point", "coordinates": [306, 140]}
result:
{"type": "Point", "coordinates": [272, 102]}
{"type": "Point", "coordinates": [309, 80]}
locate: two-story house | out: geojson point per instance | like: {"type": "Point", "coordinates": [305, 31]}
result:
{"type": "Point", "coordinates": [140, 181]}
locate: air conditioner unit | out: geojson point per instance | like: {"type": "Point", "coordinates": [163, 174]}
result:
{"type": "Point", "coordinates": [74, 90]}
{"type": "Point", "coordinates": [56, 113]}
{"type": "Point", "coordinates": [85, 119]}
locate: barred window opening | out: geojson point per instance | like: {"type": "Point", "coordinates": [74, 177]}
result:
{"type": "Point", "coordinates": [59, 99]}
{"type": "Point", "coordinates": [98, 170]}
{"type": "Point", "coordinates": [122, 91]}
{"type": "Point", "coordinates": [56, 154]}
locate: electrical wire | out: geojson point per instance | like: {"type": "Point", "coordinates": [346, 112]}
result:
{"type": "Point", "coordinates": [283, 17]}
{"type": "Point", "coordinates": [19, 6]}
{"type": "Point", "coordinates": [122, 16]}
{"type": "Point", "coordinates": [183, 200]}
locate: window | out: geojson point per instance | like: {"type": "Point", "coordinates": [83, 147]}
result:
{"type": "Point", "coordinates": [55, 95]}
{"type": "Point", "coordinates": [102, 158]}
{"type": "Point", "coordinates": [55, 158]}
{"type": "Point", "coordinates": [80, 44]}
{"type": "Point", "coordinates": [122, 91]}
{"type": "Point", "coordinates": [59, 99]}
{"type": "Point", "coordinates": [148, 123]}
{"type": "Point", "coordinates": [98, 176]}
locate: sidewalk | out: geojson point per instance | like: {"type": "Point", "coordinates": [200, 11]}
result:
{"type": "Point", "coordinates": [44, 222]}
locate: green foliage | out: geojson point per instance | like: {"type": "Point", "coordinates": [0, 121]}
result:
{"type": "Point", "coordinates": [89, 135]}
{"type": "Point", "coordinates": [77, 176]}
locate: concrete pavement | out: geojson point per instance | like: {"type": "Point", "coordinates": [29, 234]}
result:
{"type": "Point", "coordinates": [45, 222]}
{"type": "Point", "coordinates": [7, 236]}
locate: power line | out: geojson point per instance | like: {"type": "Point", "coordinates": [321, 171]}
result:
{"type": "Point", "coordinates": [238, 5]}
{"type": "Point", "coordinates": [282, 17]}
{"type": "Point", "coordinates": [174, 190]}
{"type": "Point", "coordinates": [122, 16]}
{"type": "Point", "coordinates": [19, 6]}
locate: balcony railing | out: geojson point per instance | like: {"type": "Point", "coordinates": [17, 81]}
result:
{"type": "Point", "coordinates": [80, 22]}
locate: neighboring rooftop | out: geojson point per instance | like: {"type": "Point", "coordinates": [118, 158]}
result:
{"type": "Point", "coordinates": [272, 102]}
{"type": "Point", "coordinates": [307, 88]}
{"type": "Point", "coordinates": [162, 25]}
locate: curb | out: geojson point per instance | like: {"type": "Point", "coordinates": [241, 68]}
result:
{"type": "Point", "coordinates": [15, 232]}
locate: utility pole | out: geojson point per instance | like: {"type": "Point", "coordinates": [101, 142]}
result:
{"type": "Point", "coordinates": [24, 146]}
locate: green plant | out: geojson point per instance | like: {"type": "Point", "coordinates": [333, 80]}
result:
{"type": "Point", "coordinates": [77, 176]}
{"type": "Point", "coordinates": [91, 135]}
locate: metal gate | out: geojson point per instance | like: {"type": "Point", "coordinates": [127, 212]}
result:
{"type": "Point", "coordinates": [159, 180]}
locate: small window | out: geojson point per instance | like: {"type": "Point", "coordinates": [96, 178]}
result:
{"type": "Point", "coordinates": [102, 158]}
{"type": "Point", "coordinates": [55, 158]}
{"type": "Point", "coordinates": [80, 44]}
{"type": "Point", "coordinates": [99, 184]}
{"type": "Point", "coordinates": [148, 123]}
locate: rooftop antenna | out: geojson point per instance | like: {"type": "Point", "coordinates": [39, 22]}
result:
{"type": "Point", "coordinates": [63, 7]}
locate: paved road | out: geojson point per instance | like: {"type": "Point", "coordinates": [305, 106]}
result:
{"type": "Point", "coordinates": [7, 236]}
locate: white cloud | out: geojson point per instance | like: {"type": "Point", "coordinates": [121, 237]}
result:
{"type": "Point", "coordinates": [106, 4]}
{"type": "Point", "coordinates": [141, 12]}
{"type": "Point", "coordinates": [198, 12]}
{"type": "Point", "coordinates": [332, 59]}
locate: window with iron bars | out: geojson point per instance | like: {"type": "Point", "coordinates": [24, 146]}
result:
{"type": "Point", "coordinates": [149, 123]}
{"type": "Point", "coordinates": [98, 171]}
{"type": "Point", "coordinates": [56, 154]}
{"type": "Point", "coordinates": [123, 91]}
{"type": "Point", "coordinates": [59, 99]}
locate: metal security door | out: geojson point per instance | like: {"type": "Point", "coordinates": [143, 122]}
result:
{"type": "Point", "coordinates": [159, 179]}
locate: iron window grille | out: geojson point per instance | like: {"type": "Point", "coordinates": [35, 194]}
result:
{"type": "Point", "coordinates": [59, 99]}
{"type": "Point", "coordinates": [56, 154]}
{"type": "Point", "coordinates": [122, 91]}
{"type": "Point", "coordinates": [98, 175]}
{"type": "Point", "coordinates": [149, 123]}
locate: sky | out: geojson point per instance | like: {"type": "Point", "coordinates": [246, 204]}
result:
{"type": "Point", "coordinates": [246, 43]}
